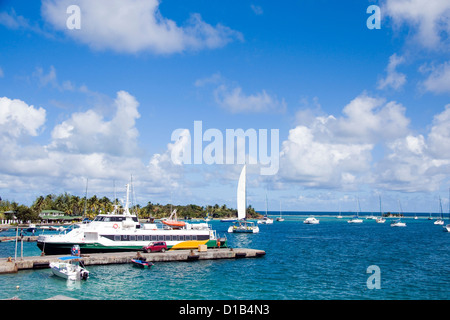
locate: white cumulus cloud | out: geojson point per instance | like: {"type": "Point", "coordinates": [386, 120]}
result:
{"type": "Point", "coordinates": [438, 81]}
{"type": "Point", "coordinates": [429, 21]}
{"type": "Point", "coordinates": [394, 79]}
{"type": "Point", "coordinates": [17, 118]}
{"type": "Point", "coordinates": [335, 151]}
{"type": "Point", "coordinates": [89, 132]}
{"type": "Point", "coordinates": [135, 26]}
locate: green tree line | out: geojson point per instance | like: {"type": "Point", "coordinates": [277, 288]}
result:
{"type": "Point", "coordinates": [79, 206]}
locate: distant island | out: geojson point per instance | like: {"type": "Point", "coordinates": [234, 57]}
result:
{"type": "Point", "coordinates": [78, 206]}
{"type": "Point", "coordinates": [392, 215]}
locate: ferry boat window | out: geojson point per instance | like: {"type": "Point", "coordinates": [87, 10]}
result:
{"type": "Point", "coordinates": [188, 238]}
{"type": "Point", "coordinates": [125, 237]}
{"type": "Point", "coordinates": [116, 238]}
{"type": "Point", "coordinates": [132, 238]}
{"type": "Point", "coordinates": [106, 219]}
{"type": "Point", "coordinates": [154, 238]}
{"type": "Point", "coordinates": [161, 238]}
{"type": "Point", "coordinates": [194, 237]}
{"type": "Point", "coordinates": [168, 238]}
{"type": "Point", "coordinates": [139, 238]}
{"type": "Point", "coordinates": [135, 219]}
{"type": "Point", "coordinates": [147, 238]}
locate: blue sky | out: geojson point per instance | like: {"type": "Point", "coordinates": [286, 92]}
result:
{"type": "Point", "coordinates": [360, 112]}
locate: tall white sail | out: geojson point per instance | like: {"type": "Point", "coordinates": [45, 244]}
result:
{"type": "Point", "coordinates": [241, 194]}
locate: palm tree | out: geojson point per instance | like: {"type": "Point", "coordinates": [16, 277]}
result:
{"type": "Point", "coordinates": [38, 204]}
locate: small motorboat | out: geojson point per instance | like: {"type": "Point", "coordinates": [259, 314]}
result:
{"type": "Point", "coordinates": [70, 268]}
{"type": "Point", "coordinates": [31, 228]}
{"type": "Point", "coordinates": [398, 223]}
{"type": "Point", "coordinates": [311, 220]}
{"type": "Point", "coordinates": [142, 263]}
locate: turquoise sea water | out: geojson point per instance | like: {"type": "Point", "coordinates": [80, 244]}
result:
{"type": "Point", "coordinates": [324, 261]}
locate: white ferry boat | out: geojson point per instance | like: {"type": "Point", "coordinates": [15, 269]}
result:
{"type": "Point", "coordinates": [115, 231]}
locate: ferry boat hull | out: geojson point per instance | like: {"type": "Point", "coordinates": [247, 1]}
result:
{"type": "Point", "coordinates": [52, 248]}
{"type": "Point", "coordinates": [119, 232]}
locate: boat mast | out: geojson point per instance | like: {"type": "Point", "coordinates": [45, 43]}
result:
{"type": "Point", "coordinates": [85, 198]}
{"type": "Point", "coordinates": [381, 211]}
{"type": "Point", "coordinates": [127, 202]}
{"type": "Point", "coordinates": [245, 191]}
{"type": "Point", "coordinates": [358, 209]}
{"type": "Point", "coordinates": [266, 204]}
{"type": "Point", "coordinates": [280, 208]}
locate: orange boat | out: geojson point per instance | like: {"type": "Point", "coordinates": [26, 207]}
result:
{"type": "Point", "coordinates": [173, 222]}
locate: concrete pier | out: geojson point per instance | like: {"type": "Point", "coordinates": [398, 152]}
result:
{"type": "Point", "coordinates": [41, 262]}
{"type": "Point", "coordinates": [24, 238]}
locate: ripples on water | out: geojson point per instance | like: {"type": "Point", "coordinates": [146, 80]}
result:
{"type": "Point", "coordinates": [325, 261]}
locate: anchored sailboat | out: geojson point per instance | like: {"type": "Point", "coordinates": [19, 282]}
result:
{"type": "Point", "coordinates": [398, 222]}
{"type": "Point", "coordinates": [380, 219]}
{"type": "Point", "coordinates": [265, 219]}
{"type": "Point", "coordinates": [280, 218]}
{"type": "Point", "coordinates": [356, 218]}
{"type": "Point", "coordinates": [440, 220]}
{"type": "Point", "coordinates": [447, 227]}
{"type": "Point", "coordinates": [242, 225]}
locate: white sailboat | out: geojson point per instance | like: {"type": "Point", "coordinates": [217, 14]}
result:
{"type": "Point", "coordinates": [440, 220]}
{"type": "Point", "coordinates": [356, 218]}
{"type": "Point", "coordinates": [380, 219]}
{"type": "Point", "coordinates": [340, 213]}
{"type": "Point", "coordinates": [265, 219]}
{"type": "Point", "coordinates": [280, 218]}
{"type": "Point", "coordinates": [398, 222]}
{"type": "Point", "coordinates": [447, 227]}
{"type": "Point", "coordinates": [242, 225]}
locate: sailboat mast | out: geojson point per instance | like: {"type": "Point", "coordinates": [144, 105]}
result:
{"type": "Point", "coordinates": [85, 198]}
{"type": "Point", "coordinates": [245, 191]}
{"type": "Point", "coordinates": [381, 211]}
{"type": "Point", "coordinates": [266, 204]}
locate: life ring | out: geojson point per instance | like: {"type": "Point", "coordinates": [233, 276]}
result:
{"type": "Point", "coordinates": [115, 225]}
